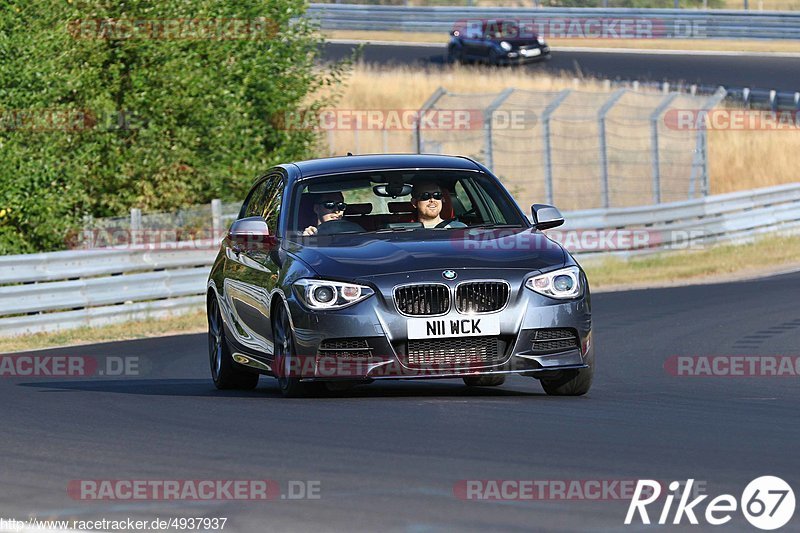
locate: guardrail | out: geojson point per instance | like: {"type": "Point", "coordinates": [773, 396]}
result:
{"type": "Point", "coordinates": [690, 224]}
{"type": "Point", "coordinates": [64, 290]}
{"type": "Point", "coordinates": [674, 23]}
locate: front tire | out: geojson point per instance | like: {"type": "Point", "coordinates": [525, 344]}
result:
{"type": "Point", "coordinates": [455, 55]}
{"type": "Point", "coordinates": [570, 383]}
{"type": "Point", "coordinates": [286, 357]}
{"type": "Point", "coordinates": [224, 372]}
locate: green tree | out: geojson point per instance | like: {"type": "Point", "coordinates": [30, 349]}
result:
{"type": "Point", "coordinates": [156, 104]}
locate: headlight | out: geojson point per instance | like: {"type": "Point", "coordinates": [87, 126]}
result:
{"type": "Point", "coordinates": [540, 40]}
{"type": "Point", "coordinates": [322, 294]}
{"type": "Point", "coordinates": [562, 284]}
{"type": "Point", "coordinates": [505, 46]}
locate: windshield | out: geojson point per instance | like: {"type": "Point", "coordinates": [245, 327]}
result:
{"type": "Point", "coordinates": [394, 201]}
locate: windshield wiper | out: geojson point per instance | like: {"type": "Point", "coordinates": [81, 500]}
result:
{"type": "Point", "coordinates": [392, 230]}
{"type": "Point", "coordinates": [494, 225]}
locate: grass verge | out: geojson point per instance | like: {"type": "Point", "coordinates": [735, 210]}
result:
{"type": "Point", "coordinates": [177, 325]}
{"type": "Point", "coordinates": [720, 263]}
{"type": "Point", "coordinates": [706, 45]}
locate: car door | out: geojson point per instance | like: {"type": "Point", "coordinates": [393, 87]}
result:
{"type": "Point", "coordinates": [251, 274]}
{"type": "Point", "coordinates": [472, 41]}
{"type": "Point", "coordinates": [487, 40]}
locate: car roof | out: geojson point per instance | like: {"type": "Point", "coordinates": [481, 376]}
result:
{"type": "Point", "coordinates": [366, 163]}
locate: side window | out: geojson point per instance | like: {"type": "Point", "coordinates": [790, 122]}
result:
{"type": "Point", "coordinates": [463, 203]}
{"type": "Point", "coordinates": [473, 32]}
{"type": "Point", "coordinates": [265, 201]}
{"type": "Point", "coordinates": [272, 202]}
{"type": "Point", "coordinates": [254, 204]}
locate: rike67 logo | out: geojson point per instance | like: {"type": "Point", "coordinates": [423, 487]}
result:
{"type": "Point", "coordinates": [767, 503]}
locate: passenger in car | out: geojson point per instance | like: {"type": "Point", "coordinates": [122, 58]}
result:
{"type": "Point", "coordinates": [428, 199]}
{"type": "Point", "coordinates": [327, 207]}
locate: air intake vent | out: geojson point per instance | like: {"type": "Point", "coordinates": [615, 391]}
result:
{"type": "Point", "coordinates": [467, 352]}
{"type": "Point", "coordinates": [555, 340]}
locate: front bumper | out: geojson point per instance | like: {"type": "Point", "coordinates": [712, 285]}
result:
{"type": "Point", "coordinates": [515, 57]}
{"type": "Point", "coordinates": [375, 335]}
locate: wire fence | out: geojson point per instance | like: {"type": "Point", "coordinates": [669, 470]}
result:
{"type": "Point", "coordinates": [198, 223]}
{"type": "Point", "coordinates": [575, 149]}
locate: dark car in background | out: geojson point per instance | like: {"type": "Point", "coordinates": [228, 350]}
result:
{"type": "Point", "coordinates": [328, 278]}
{"type": "Point", "coordinates": [496, 42]}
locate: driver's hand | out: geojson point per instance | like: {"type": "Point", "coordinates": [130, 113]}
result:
{"type": "Point", "coordinates": [311, 230]}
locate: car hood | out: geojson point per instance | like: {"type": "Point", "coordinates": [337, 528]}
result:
{"type": "Point", "coordinates": [516, 43]}
{"type": "Point", "coordinates": [363, 256]}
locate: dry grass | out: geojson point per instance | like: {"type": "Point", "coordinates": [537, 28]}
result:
{"type": "Point", "coordinates": [178, 325]}
{"type": "Point", "coordinates": [741, 160]}
{"type": "Point", "coordinates": [719, 262]}
{"type": "Point", "coordinates": [738, 160]}
{"type": "Point", "coordinates": [641, 44]}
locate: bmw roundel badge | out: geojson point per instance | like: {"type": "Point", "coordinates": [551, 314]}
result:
{"type": "Point", "coordinates": [449, 274]}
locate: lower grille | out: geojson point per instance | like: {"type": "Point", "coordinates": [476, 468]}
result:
{"type": "Point", "coordinates": [345, 348]}
{"type": "Point", "coordinates": [463, 352]}
{"type": "Point", "coordinates": [555, 340]}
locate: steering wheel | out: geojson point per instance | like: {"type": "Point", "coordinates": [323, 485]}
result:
{"type": "Point", "coordinates": [444, 223]}
{"type": "Point", "coordinates": [338, 226]}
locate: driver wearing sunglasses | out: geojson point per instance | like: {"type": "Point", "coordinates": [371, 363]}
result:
{"type": "Point", "coordinates": [426, 197]}
{"type": "Point", "coordinates": [327, 207]}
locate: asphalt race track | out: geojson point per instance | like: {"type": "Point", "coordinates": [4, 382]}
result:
{"type": "Point", "coordinates": [387, 456]}
{"type": "Point", "coordinates": [763, 72]}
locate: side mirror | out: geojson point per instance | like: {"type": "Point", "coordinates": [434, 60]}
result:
{"type": "Point", "coordinates": [251, 234]}
{"type": "Point", "coordinates": [546, 216]}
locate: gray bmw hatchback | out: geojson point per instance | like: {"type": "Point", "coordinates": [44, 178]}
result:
{"type": "Point", "coordinates": [347, 270]}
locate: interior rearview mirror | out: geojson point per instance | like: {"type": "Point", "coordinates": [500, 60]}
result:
{"type": "Point", "coordinates": [392, 190]}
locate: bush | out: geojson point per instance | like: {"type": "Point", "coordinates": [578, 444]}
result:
{"type": "Point", "coordinates": [98, 118]}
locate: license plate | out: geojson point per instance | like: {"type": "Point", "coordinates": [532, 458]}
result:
{"type": "Point", "coordinates": [533, 52]}
{"type": "Point", "coordinates": [458, 326]}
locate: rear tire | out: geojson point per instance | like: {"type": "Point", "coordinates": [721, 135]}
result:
{"type": "Point", "coordinates": [224, 372]}
{"type": "Point", "coordinates": [484, 381]}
